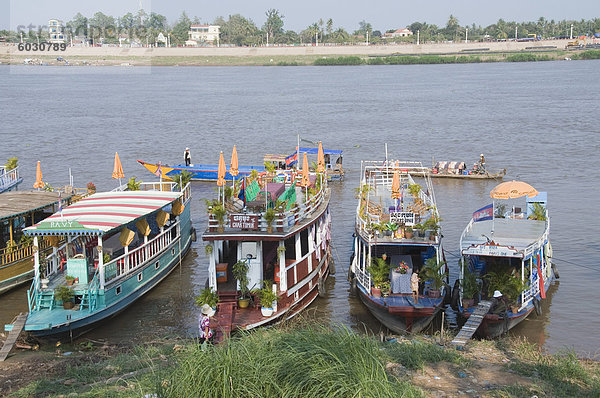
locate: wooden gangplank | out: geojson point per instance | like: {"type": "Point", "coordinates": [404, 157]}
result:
{"type": "Point", "coordinates": [224, 321]}
{"type": "Point", "coordinates": [471, 325]}
{"type": "Point", "coordinates": [13, 336]}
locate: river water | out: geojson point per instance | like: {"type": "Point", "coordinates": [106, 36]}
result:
{"type": "Point", "coordinates": [539, 120]}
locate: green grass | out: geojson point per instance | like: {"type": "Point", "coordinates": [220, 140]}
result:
{"type": "Point", "coordinates": [339, 61]}
{"type": "Point", "coordinates": [416, 354]}
{"type": "Point", "coordinates": [588, 54]}
{"type": "Point", "coordinates": [527, 58]}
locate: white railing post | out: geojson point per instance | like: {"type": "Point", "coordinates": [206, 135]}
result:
{"type": "Point", "coordinates": [101, 262]}
{"type": "Point", "coordinates": [298, 255]}
{"type": "Point", "coordinates": [36, 258]}
{"type": "Point", "coordinates": [282, 270]}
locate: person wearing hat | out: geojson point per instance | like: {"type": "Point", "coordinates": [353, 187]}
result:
{"type": "Point", "coordinates": [204, 323]}
{"type": "Point", "coordinates": [498, 303]}
{"type": "Point", "coordinates": [482, 162]}
{"type": "Point", "coordinates": [187, 156]}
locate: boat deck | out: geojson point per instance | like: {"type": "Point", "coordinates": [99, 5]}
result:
{"type": "Point", "coordinates": [406, 300]}
{"type": "Point", "coordinates": [519, 233]}
{"type": "Point", "coordinates": [38, 320]}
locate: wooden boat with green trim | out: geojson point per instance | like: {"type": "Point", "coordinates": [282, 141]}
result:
{"type": "Point", "coordinates": [20, 209]}
{"type": "Point", "coordinates": [119, 245]}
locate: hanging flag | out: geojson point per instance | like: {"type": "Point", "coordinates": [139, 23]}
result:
{"type": "Point", "coordinates": [292, 159]}
{"type": "Point", "coordinates": [241, 195]}
{"type": "Point", "coordinates": [485, 213]}
{"type": "Point", "coordinates": [158, 170]}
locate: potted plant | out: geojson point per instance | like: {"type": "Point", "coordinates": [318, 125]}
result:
{"type": "Point", "coordinates": [538, 212]}
{"type": "Point", "coordinates": [183, 179]}
{"type": "Point", "coordinates": [391, 227]}
{"type": "Point", "coordinates": [380, 271]}
{"type": "Point", "coordinates": [408, 232]}
{"type": "Point", "coordinates": [133, 185]}
{"type": "Point", "coordinates": [435, 276]}
{"type": "Point", "coordinates": [421, 228]}
{"type": "Point", "coordinates": [208, 296]}
{"type": "Point", "coordinates": [280, 252]}
{"type": "Point", "coordinates": [269, 218]}
{"type": "Point", "coordinates": [219, 212]}
{"type": "Point", "coordinates": [386, 288]}
{"type": "Point", "coordinates": [70, 280]}
{"type": "Point", "coordinates": [91, 188]}
{"type": "Point", "coordinates": [431, 224]}
{"type": "Point", "coordinates": [11, 163]}
{"type": "Point", "coordinates": [240, 272]}
{"type": "Point", "coordinates": [267, 298]}
{"type": "Point", "coordinates": [65, 294]}
{"type": "Point", "coordinates": [511, 286]}
{"type": "Point", "coordinates": [470, 287]}
{"type": "Point", "coordinates": [415, 190]}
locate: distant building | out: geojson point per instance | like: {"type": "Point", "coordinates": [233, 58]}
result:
{"type": "Point", "coordinates": [203, 34]}
{"type": "Point", "coordinates": [56, 31]}
{"type": "Point", "coordinates": [398, 33]}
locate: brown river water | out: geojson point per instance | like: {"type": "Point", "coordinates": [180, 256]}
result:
{"type": "Point", "coordinates": [538, 120]}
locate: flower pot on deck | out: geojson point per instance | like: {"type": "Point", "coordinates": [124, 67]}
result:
{"type": "Point", "coordinates": [266, 311]}
{"type": "Point", "coordinates": [376, 292]}
{"type": "Point", "coordinates": [67, 305]}
{"type": "Point", "coordinates": [434, 294]}
{"type": "Point", "coordinates": [243, 302]}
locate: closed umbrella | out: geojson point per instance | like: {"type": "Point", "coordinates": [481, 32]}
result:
{"type": "Point", "coordinates": [320, 159]}
{"type": "Point", "coordinates": [234, 165]}
{"type": "Point", "coordinates": [305, 179]}
{"type": "Point", "coordinates": [38, 177]}
{"type": "Point", "coordinates": [513, 189]}
{"type": "Point", "coordinates": [396, 183]}
{"type": "Point", "coordinates": [118, 169]}
{"type": "Point", "coordinates": [221, 174]}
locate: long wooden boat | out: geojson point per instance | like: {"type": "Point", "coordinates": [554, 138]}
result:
{"type": "Point", "coordinates": [284, 164]}
{"type": "Point", "coordinates": [9, 179]}
{"type": "Point", "coordinates": [20, 209]}
{"type": "Point", "coordinates": [456, 170]}
{"type": "Point", "coordinates": [289, 252]}
{"type": "Point", "coordinates": [119, 245]}
{"type": "Point", "coordinates": [385, 231]}
{"type": "Point", "coordinates": [509, 252]}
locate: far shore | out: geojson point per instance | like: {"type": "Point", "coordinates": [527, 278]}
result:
{"type": "Point", "coordinates": [285, 55]}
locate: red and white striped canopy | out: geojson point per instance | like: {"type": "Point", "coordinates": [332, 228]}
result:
{"type": "Point", "coordinates": [103, 212]}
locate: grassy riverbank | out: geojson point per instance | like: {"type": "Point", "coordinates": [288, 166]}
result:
{"type": "Point", "coordinates": [301, 362]}
{"type": "Point", "coordinates": [302, 60]}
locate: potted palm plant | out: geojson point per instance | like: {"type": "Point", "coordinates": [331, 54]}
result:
{"type": "Point", "coordinates": [133, 185]}
{"type": "Point", "coordinates": [208, 296]}
{"type": "Point", "coordinates": [380, 271]}
{"type": "Point", "coordinates": [435, 276]}
{"type": "Point", "coordinates": [267, 299]}
{"type": "Point", "coordinates": [219, 212]}
{"type": "Point", "coordinates": [240, 272]}
{"type": "Point", "coordinates": [470, 287]}
{"type": "Point", "coordinates": [269, 218]}
{"type": "Point", "coordinates": [65, 295]}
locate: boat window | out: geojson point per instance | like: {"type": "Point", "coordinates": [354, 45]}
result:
{"type": "Point", "coordinates": [157, 265]}
{"type": "Point", "coordinates": [118, 290]}
{"type": "Point", "coordinates": [290, 248]}
{"type": "Point", "coordinates": [173, 251]}
{"type": "Point", "coordinates": [304, 242]}
{"type": "Point", "coordinates": [140, 276]}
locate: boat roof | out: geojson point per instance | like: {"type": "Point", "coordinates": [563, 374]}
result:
{"type": "Point", "coordinates": [16, 203]}
{"type": "Point", "coordinates": [513, 233]}
{"type": "Point", "coordinates": [103, 212]}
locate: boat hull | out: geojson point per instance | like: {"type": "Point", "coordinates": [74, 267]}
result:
{"type": "Point", "coordinates": [201, 172]}
{"type": "Point", "coordinates": [402, 318]}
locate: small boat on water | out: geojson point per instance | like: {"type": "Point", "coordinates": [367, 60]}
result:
{"type": "Point", "coordinates": [283, 166]}
{"type": "Point", "coordinates": [506, 253]}
{"type": "Point", "coordinates": [107, 250]}
{"type": "Point", "coordinates": [18, 210]}
{"type": "Point", "coordinates": [9, 178]}
{"type": "Point", "coordinates": [269, 248]}
{"type": "Point", "coordinates": [459, 170]}
{"type": "Point", "coordinates": [397, 236]}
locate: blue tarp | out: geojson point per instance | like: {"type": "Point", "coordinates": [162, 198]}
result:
{"type": "Point", "coordinates": [314, 151]}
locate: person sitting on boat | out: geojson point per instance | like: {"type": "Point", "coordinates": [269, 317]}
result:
{"type": "Point", "coordinates": [499, 304]}
{"type": "Point", "coordinates": [187, 156]}
{"type": "Point", "coordinates": [481, 163]}
{"type": "Point", "coordinates": [338, 164]}
{"type": "Point", "coordinates": [414, 285]}
{"type": "Point", "coordinates": [206, 332]}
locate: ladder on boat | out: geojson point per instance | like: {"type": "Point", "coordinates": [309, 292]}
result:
{"type": "Point", "coordinates": [44, 299]}
{"type": "Point", "coordinates": [470, 327]}
{"type": "Point", "coordinates": [13, 336]}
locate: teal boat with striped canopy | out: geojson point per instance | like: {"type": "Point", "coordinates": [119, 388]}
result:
{"type": "Point", "coordinates": [119, 245]}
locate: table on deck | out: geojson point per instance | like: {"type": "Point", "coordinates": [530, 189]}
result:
{"type": "Point", "coordinates": [400, 283]}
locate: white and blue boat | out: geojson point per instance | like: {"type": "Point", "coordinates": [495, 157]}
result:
{"type": "Point", "coordinates": [119, 245]}
{"type": "Point", "coordinates": [397, 227]}
{"type": "Point", "coordinates": [506, 249]}
{"type": "Point", "coordinates": [9, 179]}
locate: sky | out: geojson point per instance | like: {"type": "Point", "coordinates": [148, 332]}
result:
{"type": "Point", "coordinates": [381, 14]}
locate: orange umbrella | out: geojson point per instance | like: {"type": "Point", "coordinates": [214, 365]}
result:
{"type": "Point", "coordinates": [117, 169]}
{"type": "Point", "coordinates": [234, 163]}
{"type": "Point", "coordinates": [396, 183]}
{"type": "Point", "coordinates": [221, 171]}
{"type": "Point", "coordinates": [305, 180]}
{"type": "Point", "coordinates": [38, 177]}
{"type": "Point", "coordinates": [513, 189]}
{"type": "Point", "coordinates": [320, 159]}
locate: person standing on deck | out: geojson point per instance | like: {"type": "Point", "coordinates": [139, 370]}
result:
{"type": "Point", "coordinates": [414, 285]}
{"type": "Point", "coordinates": [187, 156]}
{"type": "Point", "coordinates": [206, 332]}
{"type": "Point", "coordinates": [481, 163]}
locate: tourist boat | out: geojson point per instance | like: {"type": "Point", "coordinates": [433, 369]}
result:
{"type": "Point", "coordinates": [283, 167]}
{"type": "Point", "coordinates": [20, 209]}
{"type": "Point", "coordinates": [459, 170]}
{"type": "Point", "coordinates": [9, 179]}
{"type": "Point", "coordinates": [119, 245]}
{"type": "Point", "coordinates": [506, 249]}
{"type": "Point", "coordinates": [280, 235]}
{"type": "Point", "coordinates": [397, 229]}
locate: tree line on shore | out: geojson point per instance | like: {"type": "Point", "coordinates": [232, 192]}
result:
{"type": "Point", "coordinates": [241, 31]}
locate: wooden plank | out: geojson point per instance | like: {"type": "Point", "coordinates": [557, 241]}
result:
{"type": "Point", "coordinates": [471, 325]}
{"type": "Point", "coordinates": [13, 336]}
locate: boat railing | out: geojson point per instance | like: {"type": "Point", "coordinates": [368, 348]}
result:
{"type": "Point", "coordinates": [19, 252]}
{"type": "Point", "coordinates": [92, 292]}
{"type": "Point", "coordinates": [32, 294]}
{"type": "Point", "coordinates": [165, 186]}
{"type": "Point", "coordinates": [8, 178]}
{"type": "Point", "coordinates": [284, 221]}
{"type": "Point", "coordinates": [363, 278]}
{"type": "Point", "coordinates": [133, 260]}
